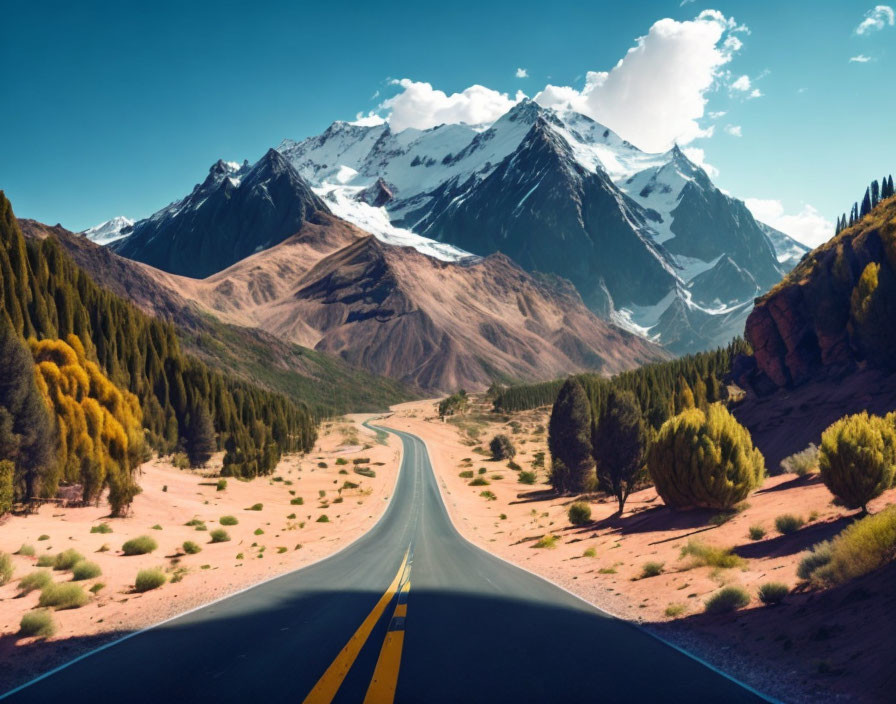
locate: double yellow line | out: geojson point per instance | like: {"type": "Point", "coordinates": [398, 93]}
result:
{"type": "Point", "coordinates": [385, 675]}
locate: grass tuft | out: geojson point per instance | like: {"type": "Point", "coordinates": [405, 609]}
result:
{"type": "Point", "coordinates": [546, 541]}
{"type": "Point", "coordinates": [707, 555]}
{"type": "Point", "coordinates": [787, 523]}
{"type": "Point", "coordinates": [773, 592]}
{"type": "Point", "coordinates": [37, 623]}
{"type": "Point", "coordinates": [728, 599]}
{"type": "Point", "coordinates": [219, 535]}
{"type": "Point", "coordinates": [67, 559]}
{"type": "Point", "coordinates": [756, 532]}
{"type": "Point", "coordinates": [149, 579]}
{"type": "Point", "coordinates": [191, 548]}
{"type": "Point", "coordinates": [26, 550]}
{"type": "Point", "coordinates": [85, 570]}
{"type": "Point", "coordinates": [228, 520]}
{"type": "Point", "coordinates": [139, 546]}
{"type": "Point", "coordinates": [67, 595]}
{"type": "Point", "coordinates": [101, 528]}
{"type": "Point", "coordinates": [651, 569]}
{"type": "Point", "coordinates": [34, 581]}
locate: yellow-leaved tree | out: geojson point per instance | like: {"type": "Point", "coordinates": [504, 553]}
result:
{"type": "Point", "coordinates": [100, 432]}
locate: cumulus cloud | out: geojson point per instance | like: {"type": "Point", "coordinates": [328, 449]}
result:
{"type": "Point", "coordinates": [742, 84]}
{"type": "Point", "coordinates": [734, 130]}
{"type": "Point", "coordinates": [807, 226]}
{"type": "Point", "coordinates": [522, 73]}
{"type": "Point", "coordinates": [371, 119]}
{"type": "Point", "coordinates": [876, 19]}
{"type": "Point", "coordinates": [698, 156]}
{"type": "Point", "coordinates": [860, 59]}
{"type": "Point", "coordinates": [656, 94]}
{"type": "Point", "coordinates": [421, 106]}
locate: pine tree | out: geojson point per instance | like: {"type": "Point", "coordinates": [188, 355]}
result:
{"type": "Point", "coordinates": [620, 441]}
{"type": "Point", "coordinates": [875, 193]}
{"type": "Point", "coordinates": [200, 439]}
{"type": "Point", "coordinates": [569, 439]}
{"type": "Point", "coordinates": [866, 204]}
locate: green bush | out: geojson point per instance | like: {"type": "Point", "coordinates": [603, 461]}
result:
{"type": "Point", "coordinates": [67, 595]}
{"type": "Point", "coordinates": [156, 527]}
{"type": "Point", "coordinates": [101, 528]}
{"type": "Point", "coordinates": [501, 448]}
{"type": "Point", "coordinates": [139, 546]}
{"type": "Point", "coordinates": [46, 561]}
{"type": "Point", "coordinates": [221, 485]}
{"type": "Point", "coordinates": [365, 472]}
{"type": "Point", "coordinates": [579, 513]}
{"type": "Point", "coordinates": [6, 568]}
{"type": "Point", "coordinates": [526, 477]}
{"type": "Point", "coordinates": [703, 554]}
{"type": "Point", "coordinates": [258, 531]}
{"type": "Point", "coordinates": [727, 599]}
{"type": "Point", "coordinates": [349, 485]}
{"type": "Point", "coordinates": [704, 460]}
{"type": "Point", "coordinates": [255, 507]}
{"type": "Point", "coordinates": [757, 532]}
{"type": "Point", "coordinates": [228, 520]}
{"type": "Point", "coordinates": [787, 523]}
{"type": "Point", "coordinates": [26, 550]}
{"type": "Point", "coordinates": [43, 537]}
{"type": "Point", "coordinates": [298, 501]}
{"type": "Point", "coordinates": [149, 579]}
{"type": "Point", "coordinates": [546, 541]}
{"type": "Point", "coordinates": [803, 462]}
{"type": "Point", "coordinates": [219, 535]}
{"type": "Point", "coordinates": [818, 556]}
{"type": "Point", "coordinates": [675, 610]}
{"type": "Point", "coordinates": [322, 465]}
{"type": "Point", "coordinates": [37, 623]}
{"type": "Point", "coordinates": [488, 495]}
{"type": "Point", "coordinates": [7, 494]}
{"type": "Point", "coordinates": [466, 474]}
{"type": "Point", "coordinates": [33, 581]}
{"type": "Point", "coordinates": [480, 481]}
{"type": "Point", "coordinates": [857, 458]}
{"type": "Point", "coordinates": [590, 552]}
{"type": "Point", "coordinates": [651, 569]}
{"type": "Point", "coordinates": [863, 547]}
{"type": "Point", "coordinates": [191, 548]}
{"type": "Point", "coordinates": [341, 461]}
{"type": "Point", "coordinates": [85, 570]}
{"type": "Point", "coordinates": [67, 559]}
{"type": "Point", "coordinates": [773, 592]}
{"type": "Point", "coordinates": [323, 518]}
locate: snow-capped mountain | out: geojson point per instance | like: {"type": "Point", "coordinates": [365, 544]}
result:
{"type": "Point", "coordinates": [110, 231]}
{"type": "Point", "coordinates": [646, 238]}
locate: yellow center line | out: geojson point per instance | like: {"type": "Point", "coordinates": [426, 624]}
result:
{"type": "Point", "coordinates": [332, 679]}
{"type": "Point", "coordinates": [385, 675]}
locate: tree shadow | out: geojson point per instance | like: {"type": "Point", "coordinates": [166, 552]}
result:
{"type": "Point", "coordinates": [803, 539]}
{"type": "Point", "coordinates": [794, 483]}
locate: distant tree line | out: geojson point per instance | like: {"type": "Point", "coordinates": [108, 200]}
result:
{"type": "Point", "coordinates": [874, 194]}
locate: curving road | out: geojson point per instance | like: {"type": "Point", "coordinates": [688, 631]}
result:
{"type": "Point", "coordinates": [410, 612]}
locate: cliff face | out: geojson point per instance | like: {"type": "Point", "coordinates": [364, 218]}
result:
{"type": "Point", "coordinates": [833, 312]}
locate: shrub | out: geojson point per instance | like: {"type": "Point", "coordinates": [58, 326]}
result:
{"type": "Point", "coordinates": [26, 550]}
{"type": "Point", "coordinates": [221, 485]}
{"type": "Point", "coordinates": [675, 610]}
{"type": "Point", "coordinates": [36, 580]}
{"type": "Point", "coordinates": [341, 460]}
{"type": "Point", "coordinates": [228, 520]}
{"type": "Point", "coordinates": [259, 531]}
{"type": "Point", "coordinates": [787, 523]}
{"type": "Point", "coordinates": [857, 458]}
{"type": "Point", "coordinates": [590, 552]}
{"type": "Point", "coordinates": [255, 507]}
{"type": "Point", "coordinates": [579, 513]}
{"type": "Point", "coordinates": [44, 537]}
{"type": "Point", "coordinates": [526, 477]}
{"type": "Point", "coordinates": [651, 569]}
{"type": "Point", "coordinates": [863, 547]}
{"type": "Point", "coordinates": [727, 599]}
{"type": "Point", "coordinates": [546, 541]}
{"type": "Point", "coordinates": [101, 528]}
{"type": "Point", "coordinates": [37, 623]}
{"type": "Point", "coordinates": [497, 477]}
{"type": "Point", "coordinates": [803, 462]}
{"type": "Point", "coordinates": [67, 559]}
{"type": "Point", "coordinates": [157, 527]}
{"type": "Point", "coordinates": [365, 472]}
{"type": "Point", "coordinates": [7, 482]}
{"type": "Point", "coordinates": [466, 474]}
{"type": "Point", "coordinates": [6, 568]}
{"type": "Point", "coordinates": [480, 481]}
{"type": "Point", "coordinates": [704, 460]}
{"type": "Point", "coordinates": [67, 595]}
{"type": "Point", "coordinates": [513, 465]}
{"type": "Point", "coordinates": [773, 592]}
{"type": "Point", "coordinates": [85, 570]}
{"type": "Point", "coordinates": [709, 555]}
{"type": "Point", "coordinates": [191, 548]}
{"type": "Point", "coordinates": [757, 532]}
{"type": "Point", "coordinates": [818, 556]}
{"type": "Point", "coordinates": [219, 535]}
{"type": "Point", "coordinates": [488, 495]}
{"type": "Point", "coordinates": [46, 561]}
{"type": "Point", "coordinates": [323, 518]}
{"type": "Point", "coordinates": [322, 465]}
{"type": "Point", "coordinates": [139, 546]}
{"type": "Point", "coordinates": [501, 448]}
{"type": "Point", "coordinates": [298, 501]}
{"type": "Point", "coordinates": [149, 579]}
{"type": "Point", "coordinates": [349, 485]}
{"type": "Point", "coordinates": [97, 587]}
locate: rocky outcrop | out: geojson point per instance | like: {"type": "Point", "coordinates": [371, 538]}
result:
{"type": "Point", "coordinates": [377, 195]}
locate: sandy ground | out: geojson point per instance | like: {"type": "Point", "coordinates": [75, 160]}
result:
{"type": "Point", "coordinates": [279, 538]}
{"type": "Point", "coordinates": [603, 561]}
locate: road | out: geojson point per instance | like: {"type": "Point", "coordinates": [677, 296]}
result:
{"type": "Point", "coordinates": [410, 612]}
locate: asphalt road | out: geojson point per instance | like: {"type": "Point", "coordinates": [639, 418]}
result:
{"type": "Point", "coordinates": [410, 612]}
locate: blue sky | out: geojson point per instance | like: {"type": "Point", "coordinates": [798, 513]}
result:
{"type": "Point", "coordinates": [110, 110]}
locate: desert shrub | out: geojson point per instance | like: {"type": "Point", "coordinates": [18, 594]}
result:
{"type": "Point", "coordinates": [180, 460]}
{"type": "Point", "coordinates": [298, 501]}
{"type": "Point", "coordinates": [466, 474]}
{"type": "Point", "coordinates": [651, 569]}
{"type": "Point", "coordinates": [139, 546]}
{"type": "Point", "coordinates": [156, 527]}
{"type": "Point", "coordinates": [35, 580]}
{"type": "Point", "coordinates": [361, 460]}
{"type": "Point", "coordinates": [546, 541]}
{"type": "Point", "coordinates": [97, 587]}
{"type": "Point", "coordinates": [44, 537]}
{"type": "Point", "coordinates": [481, 470]}
{"type": "Point", "coordinates": [46, 561]}
{"type": "Point", "coordinates": [480, 481]}
{"type": "Point", "coordinates": [149, 579]}
{"type": "Point", "coordinates": [341, 461]}
{"type": "Point", "coordinates": [675, 610]}
{"type": "Point", "coordinates": [67, 595]}
{"type": "Point", "coordinates": [526, 477]}
{"type": "Point", "coordinates": [349, 485]}
{"type": "Point", "coordinates": [497, 477]}
{"type": "Point", "coordinates": [85, 570]}
{"type": "Point", "coordinates": [513, 465]}
{"type": "Point", "coordinates": [579, 513]}
{"type": "Point", "coordinates": [322, 465]}
{"type": "Point", "coordinates": [704, 460]}
{"type": "Point", "coordinates": [228, 520]}
{"type": "Point", "coordinates": [788, 523]}
{"type": "Point", "coordinates": [8, 471]}
{"type": "Point", "coordinates": [6, 568]}
{"type": "Point", "coordinates": [709, 555]}
{"type": "Point", "coordinates": [501, 448]}
{"type": "Point", "coordinates": [818, 556]}
{"type": "Point", "coordinates": [37, 623]}
{"type": "Point", "coordinates": [191, 548]}
{"type": "Point", "coordinates": [67, 559]}
{"type": "Point", "coordinates": [801, 463]}
{"type": "Point", "coordinates": [757, 532]}
{"type": "Point", "coordinates": [590, 552]}
{"type": "Point", "coordinates": [221, 485]}
{"type": "Point", "coordinates": [323, 518]}
{"type": "Point", "coordinates": [727, 599]}
{"type": "Point", "coordinates": [258, 531]}
{"type": "Point", "coordinates": [857, 458]}
{"type": "Point", "coordinates": [26, 550]}
{"type": "Point", "coordinates": [863, 547]}
{"type": "Point", "coordinates": [101, 528]}
{"type": "Point", "coordinates": [488, 495]}
{"type": "Point", "coordinates": [773, 592]}
{"type": "Point", "coordinates": [365, 472]}
{"type": "Point", "coordinates": [219, 535]}
{"type": "Point", "coordinates": [255, 507]}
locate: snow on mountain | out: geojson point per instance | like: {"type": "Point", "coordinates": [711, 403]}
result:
{"type": "Point", "coordinates": [109, 231]}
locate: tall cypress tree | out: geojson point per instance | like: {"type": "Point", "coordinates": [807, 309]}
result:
{"type": "Point", "coordinates": [866, 204]}
{"type": "Point", "coordinates": [200, 438]}
{"type": "Point", "coordinates": [875, 193]}
{"type": "Point", "coordinates": [569, 438]}
{"type": "Point", "coordinates": [620, 442]}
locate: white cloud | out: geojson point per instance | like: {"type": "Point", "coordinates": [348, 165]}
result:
{"type": "Point", "coordinates": [876, 19]}
{"type": "Point", "coordinates": [371, 119]}
{"type": "Point", "coordinates": [522, 73]}
{"type": "Point", "coordinates": [698, 156]}
{"type": "Point", "coordinates": [734, 130]}
{"type": "Point", "coordinates": [807, 226]}
{"type": "Point", "coordinates": [741, 84]}
{"type": "Point", "coordinates": [860, 59]}
{"type": "Point", "coordinates": [716, 115]}
{"type": "Point", "coordinates": [656, 94]}
{"type": "Point", "coordinates": [755, 93]}
{"type": "Point", "coordinates": [421, 106]}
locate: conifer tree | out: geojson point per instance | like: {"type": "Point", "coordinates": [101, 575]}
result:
{"type": "Point", "coordinates": [620, 442]}
{"type": "Point", "coordinates": [866, 204]}
{"type": "Point", "coordinates": [200, 439]}
{"type": "Point", "coordinates": [569, 439]}
{"type": "Point", "coordinates": [875, 193]}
